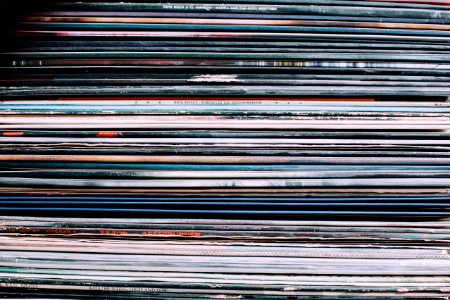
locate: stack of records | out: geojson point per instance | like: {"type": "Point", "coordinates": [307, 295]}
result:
{"type": "Point", "coordinates": [239, 149]}
{"type": "Point", "coordinates": [78, 258]}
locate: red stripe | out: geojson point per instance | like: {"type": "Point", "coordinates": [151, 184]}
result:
{"type": "Point", "coordinates": [108, 134]}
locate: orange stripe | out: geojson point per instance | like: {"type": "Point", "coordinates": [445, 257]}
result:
{"type": "Point", "coordinates": [13, 133]}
